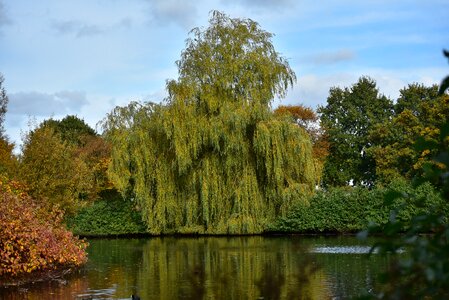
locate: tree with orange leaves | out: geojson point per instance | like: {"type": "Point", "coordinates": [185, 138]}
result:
{"type": "Point", "coordinates": [307, 118]}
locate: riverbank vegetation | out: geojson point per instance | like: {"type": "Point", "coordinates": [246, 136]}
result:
{"type": "Point", "coordinates": [349, 210]}
{"type": "Point", "coordinates": [108, 216]}
{"type": "Point", "coordinates": [33, 239]}
{"type": "Point", "coordinates": [216, 158]}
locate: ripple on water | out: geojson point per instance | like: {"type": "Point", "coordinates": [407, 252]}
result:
{"type": "Point", "coordinates": [342, 250]}
{"type": "Point", "coordinates": [98, 293]}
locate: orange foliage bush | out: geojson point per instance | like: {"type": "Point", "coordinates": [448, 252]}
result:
{"type": "Point", "coordinates": [31, 238]}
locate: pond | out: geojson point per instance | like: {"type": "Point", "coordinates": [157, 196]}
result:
{"type": "Point", "coordinates": [246, 267]}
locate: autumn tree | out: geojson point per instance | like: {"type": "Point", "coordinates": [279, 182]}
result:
{"type": "Point", "coordinates": [212, 159]}
{"type": "Point", "coordinates": [88, 147]}
{"type": "Point", "coordinates": [419, 113]}
{"type": "Point", "coordinates": [95, 152]}
{"type": "Point", "coordinates": [52, 172]}
{"type": "Point", "coordinates": [32, 237]}
{"type": "Point", "coordinates": [301, 115]}
{"type": "Point", "coordinates": [347, 119]}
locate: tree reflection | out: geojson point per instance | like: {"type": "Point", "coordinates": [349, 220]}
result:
{"type": "Point", "coordinates": [203, 268]}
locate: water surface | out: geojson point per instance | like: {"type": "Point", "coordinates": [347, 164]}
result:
{"type": "Point", "coordinates": [256, 267]}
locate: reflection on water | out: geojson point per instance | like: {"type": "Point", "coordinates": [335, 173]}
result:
{"type": "Point", "coordinates": [285, 267]}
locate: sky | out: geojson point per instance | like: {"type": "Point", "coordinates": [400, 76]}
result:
{"type": "Point", "coordinates": [84, 57]}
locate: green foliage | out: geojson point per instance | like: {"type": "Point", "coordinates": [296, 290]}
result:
{"type": "Point", "coordinates": [31, 239]}
{"type": "Point", "coordinates": [112, 215]}
{"type": "Point", "coordinates": [423, 273]}
{"type": "Point", "coordinates": [350, 209]}
{"type": "Point", "coordinates": [419, 115]}
{"type": "Point", "coordinates": [71, 129]}
{"type": "Point", "coordinates": [88, 147]}
{"type": "Point", "coordinates": [214, 159]}
{"type": "Point", "coordinates": [232, 61]}
{"type": "Point", "coordinates": [64, 163]}
{"type": "Point", "coordinates": [52, 172]}
{"type": "Point", "coordinates": [347, 119]}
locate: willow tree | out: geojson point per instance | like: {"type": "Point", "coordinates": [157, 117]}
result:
{"type": "Point", "coordinates": [212, 158]}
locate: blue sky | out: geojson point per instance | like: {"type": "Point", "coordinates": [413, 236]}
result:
{"type": "Point", "coordinates": [84, 57]}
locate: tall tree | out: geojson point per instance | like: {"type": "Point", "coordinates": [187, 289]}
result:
{"type": "Point", "coordinates": [88, 147]}
{"type": "Point", "coordinates": [213, 159]}
{"type": "Point", "coordinates": [347, 118]}
{"type": "Point", "coordinates": [52, 172]}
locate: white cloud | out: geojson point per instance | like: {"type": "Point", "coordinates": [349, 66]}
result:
{"type": "Point", "coordinates": [76, 28]}
{"type": "Point", "coordinates": [4, 19]}
{"type": "Point", "coordinates": [80, 29]}
{"type": "Point", "coordinates": [312, 90]}
{"type": "Point", "coordinates": [65, 27]}
{"type": "Point", "coordinates": [35, 107]}
{"type": "Point", "coordinates": [179, 12]}
{"type": "Point", "coordinates": [43, 104]}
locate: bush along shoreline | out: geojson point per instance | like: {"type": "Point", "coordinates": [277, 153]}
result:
{"type": "Point", "coordinates": [111, 216]}
{"type": "Point", "coordinates": [351, 209]}
{"type": "Point", "coordinates": [335, 211]}
{"type": "Point", "coordinates": [34, 242]}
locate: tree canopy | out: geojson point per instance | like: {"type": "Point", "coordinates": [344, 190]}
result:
{"type": "Point", "coordinates": [232, 61]}
{"type": "Point", "coordinates": [347, 119]}
{"type": "Point", "coordinates": [212, 158]}
{"type": "Point", "coordinates": [419, 113]}
{"type": "Point", "coordinates": [71, 129]}
{"type": "Point", "coordinates": [52, 173]}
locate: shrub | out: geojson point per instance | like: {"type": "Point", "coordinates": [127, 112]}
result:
{"type": "Point", "coordinates": [110, 216]}
{"type": "Point", "coordinates": [32, 239]}
{"type": "Point", "coordinates": [350, 209]}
